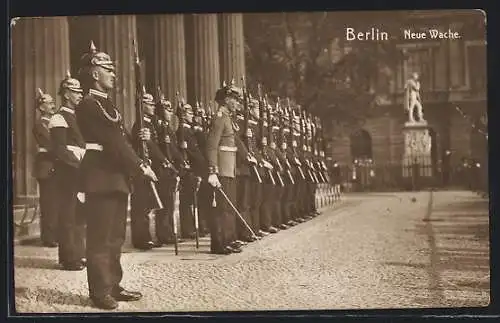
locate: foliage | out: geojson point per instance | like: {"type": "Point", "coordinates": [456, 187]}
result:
{"type": "Point", "coordinates": [305, 56]}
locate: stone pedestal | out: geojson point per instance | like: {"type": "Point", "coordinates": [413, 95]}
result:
{"type": "Point", "coordinates": [40, 59]}
{"type": "Point", "coordinates": [169, 55]}
{"type": "Point", "coordinates": [417, 152]}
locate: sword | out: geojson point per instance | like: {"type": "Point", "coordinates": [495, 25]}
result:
{"type": "Point", "coordinates": [236, 211]}
{"type": "Point", "coordinates": [290, 176]}
{"type": "Point", "coordinates": [157, 196]}
{"type": "Point", "coordinates": [195, 213]}
{"type": "Point", "coordinates": [257, 174]}
{"type": "Point", "coordinates": [174, 219]}
{"type": "Point", "coordinates": [281, 180]}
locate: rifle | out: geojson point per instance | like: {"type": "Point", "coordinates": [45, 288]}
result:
{"type": "Point", "coordinates": [308, 140]}
{"type": "Point", "coordinates": [303, 142]}
{"type": "Point", "coordinates": [164, 130]}
{"type": "Point", "coordinates": [181, 138]}
{"type": "Point", "coordinates": [322, 151]}
{"type": "Point", "coordinates": [292, 130]}
{"type": "Point", "coordinates": [314, 138]}
{"type": "Point", "coordinates": [283, 140]}
{"type": "Point", "coordinates": [143, 148]}
{"type": "Point", "coordinates": [246, 140]}
{"type": "Point", "coordinates": [262, 121]}
{"type": "Point", "coordinates": [271, 141]}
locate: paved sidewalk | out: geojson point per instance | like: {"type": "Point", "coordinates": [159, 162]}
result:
{"type": "Point", "coordinates": [386, 250]}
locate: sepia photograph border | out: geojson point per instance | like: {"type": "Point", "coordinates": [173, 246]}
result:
{"type": "Point", "coordinates": [30, 8]}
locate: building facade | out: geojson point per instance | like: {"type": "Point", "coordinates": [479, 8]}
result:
{"type": "Point", "coordinates": [453, 77]}
{"type": "Point", "coordinates": [191, 54]}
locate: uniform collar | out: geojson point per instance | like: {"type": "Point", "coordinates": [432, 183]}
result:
{"type": "Point", "coordinates": [45, 118]}
{"type": "Point", "coordinates": [98, 93]}
{"type": "Point", "coordinates": [63, 108]}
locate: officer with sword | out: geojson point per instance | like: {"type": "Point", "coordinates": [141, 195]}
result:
{"type": "Point", "coordinates": [106, 168]}
{"type": "Point", "coordinates": [221, 151]}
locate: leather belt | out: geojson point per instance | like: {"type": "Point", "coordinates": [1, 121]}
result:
{"type": "Point", "coordinates": [92, 146]}
{"type": "Point", "coordinates": [42, 150]}
{"type": "Point", "coordinates": [228, 148]}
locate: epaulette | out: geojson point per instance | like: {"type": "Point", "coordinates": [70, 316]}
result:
{"type": "Point", "coordinates": [57, 121]}
{"type": "Point", "coordinates": [222, 111]}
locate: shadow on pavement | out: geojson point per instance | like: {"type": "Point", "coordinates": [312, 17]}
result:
{"type": "Point", "coordinates": [54, 296]}
{"type": "Point", "coordinates": [457, 233]}
{"type": "Point", "coordinates": [32, 262]}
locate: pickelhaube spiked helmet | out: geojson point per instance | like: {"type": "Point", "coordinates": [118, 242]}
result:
{"type": "Point", "coordinates": [186, 109]}
{"type": "Point", "coordinates": [70, 83]}
{"type": "Point", "coordinates": [254, 103]}
{"type": "Point", "coordinates": [96, 58]}
{"type": "Point", "coordinates": [229, 91]}
{"type": "Point", "coordinates": [164, 103]}
{"type": "Point", "coordinates": [199, 110]}
{"type": "Point", "coordinates": [148, 99]}
{"type": "Point", "coordinates": [43, 98]}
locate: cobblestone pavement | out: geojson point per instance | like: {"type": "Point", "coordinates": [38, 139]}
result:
{"type": "Point", "coordinates": [379, 250]}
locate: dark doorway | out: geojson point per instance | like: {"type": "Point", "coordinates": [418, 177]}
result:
{"type": "Point", "coordinates": [362, 163]}
{"type": "Point", "coordinates": [361, 145]}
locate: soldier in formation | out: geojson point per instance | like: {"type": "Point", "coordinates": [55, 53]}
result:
{"type": "Point", "coordinates": [43, 171]}
{"type": "Point", "coordinates": [243, 171]}
{"type": "Point", "coordinates": [106, 171]}
{"type": "Point", "coordinates": [69, 150]}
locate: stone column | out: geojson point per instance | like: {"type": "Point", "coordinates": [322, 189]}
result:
{"type": "Point", "coordinates": [232, 47]}
{"type": "Point", "coordinates": [115, 37]}
{"type": "Point", "coordinates": [169, 55]}
{"type": "Point", "coordinates": [40, 58]}
{"type": "Point", "coordinates": [206, 75]}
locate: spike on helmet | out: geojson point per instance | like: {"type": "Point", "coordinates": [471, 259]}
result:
{"type": "Point", "coordinates": [43, 98]}
{"type": "Point", "coordinates": [69, 83]}
{"type": "Point", "coordinates": [95, 58]}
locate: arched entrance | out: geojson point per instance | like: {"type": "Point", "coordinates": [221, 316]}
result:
{"type": "Point", "coordinates": [362, 159]}
{"type": "Point", "coordinates": [361, 145]}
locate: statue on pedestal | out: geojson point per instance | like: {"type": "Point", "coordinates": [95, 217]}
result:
{"type": "Point", "coordinates": [413, 100]}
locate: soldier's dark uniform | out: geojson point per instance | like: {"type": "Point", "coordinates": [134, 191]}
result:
{"type": "Point", "coordinates": [244, 179]}
{"type": "Point", "coordinates": [271, 152]}
{"type": "Point", "coordinates": [270, 180]}
{"type": "Point", "coordinates": [167, 183]}
{"type": "Point", "coordinates": [294, 158]}
{"type": "Point", "coordinates": [253, 134]}
{"type": "Point", "coordinates": [106, 168]}
{"type": "Point", "coordinates": [291, 169]}
{"type": "Point", "coordinates": [43, 171]}
{"type": "Point", "coordinates": [189, 145]}
{"type": "Point", "coordinates": [310, 196]}
{"type": "Point", "coordinates": [221, 152]}
{"type": "Point", "coordinates": [69, 150]}
{"type": "Point", "coordinates": [280, 164]}
{"type": "Point", "coordinates": [142, 200]}
{"type": "Point", "coordinates": [204, 189]}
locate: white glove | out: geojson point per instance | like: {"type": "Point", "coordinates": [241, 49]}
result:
{"type": "Point", "coordinates": [145, 134]}
{"type": "Point", "coordinates": [252, 159]}
{"type": "Point", "coordinates": [214, 180]}
{"type": "Point", "coordinates": [81, 197]}
{"type": "Point", "coordinates": [267, 164]}
{"type": "Point", "coordinates": [148, 172]}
